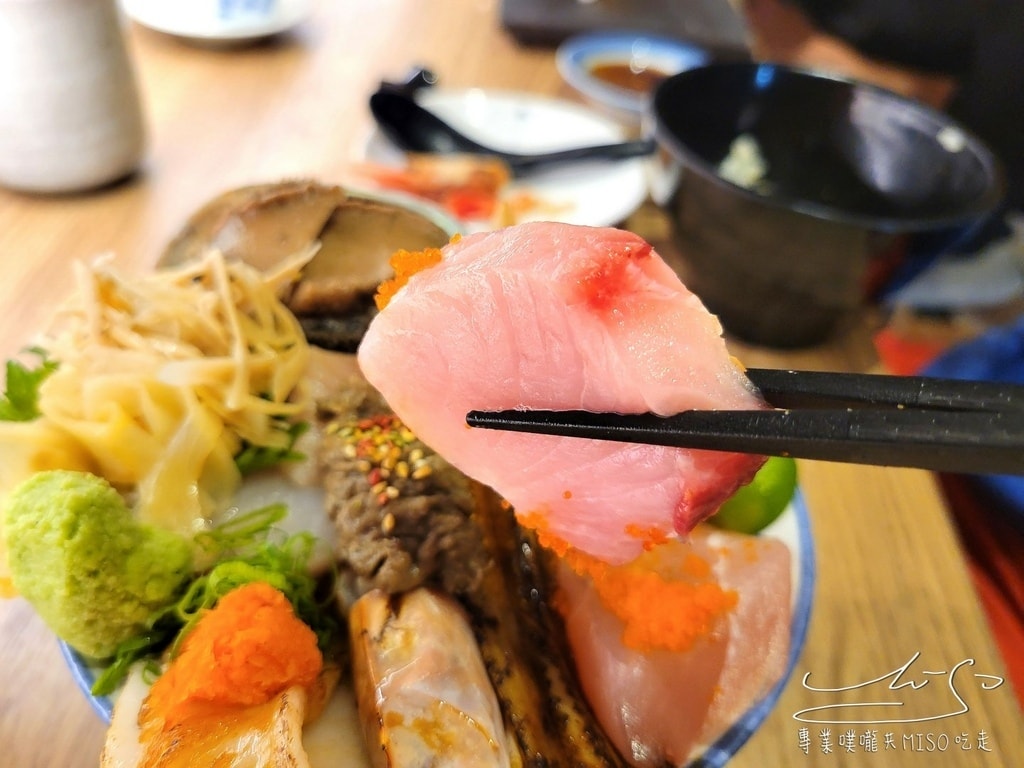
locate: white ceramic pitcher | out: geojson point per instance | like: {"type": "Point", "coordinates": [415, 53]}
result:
{"type": "Point", "coordinates": [70, 113]}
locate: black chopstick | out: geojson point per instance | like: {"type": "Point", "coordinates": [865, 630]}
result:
{"type": "Point", "coordinates": [935, 424]}
{"type": "Point", "coordinates": [951, 441]}
{"type": "Point", "coordinates": [803, 389]}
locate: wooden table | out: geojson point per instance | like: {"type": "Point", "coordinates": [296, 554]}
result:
{"type": "Point", "coordinates": [892, 581]}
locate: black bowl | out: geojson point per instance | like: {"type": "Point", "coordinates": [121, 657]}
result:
{"type": "Point", "coordinates": [780, 252]}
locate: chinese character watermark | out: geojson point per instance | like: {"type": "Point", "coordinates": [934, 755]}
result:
{"type": "Point", "coordinates": [849, 716]}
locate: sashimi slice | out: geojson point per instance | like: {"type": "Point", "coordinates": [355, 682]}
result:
{"type": "Point", "coordinates": [547, 315]}
{"type": "Point", "coordinates": [664, 706]}
{"type": "Point", "coordinates": [759, 569]}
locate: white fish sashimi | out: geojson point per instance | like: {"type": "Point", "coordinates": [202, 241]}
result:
{"type": "Point", "coordinates": [666, 705]}
{"type": "Point", "coordinates": [555, 316]}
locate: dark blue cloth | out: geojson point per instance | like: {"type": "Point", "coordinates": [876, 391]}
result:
{"type": "Point", "coordinates": [996, 355]}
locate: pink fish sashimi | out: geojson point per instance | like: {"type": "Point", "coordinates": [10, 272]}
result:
{"type": "Point", "coordinates": [556, 316]}
{"type": "Point", "coordinates": [663, 706]}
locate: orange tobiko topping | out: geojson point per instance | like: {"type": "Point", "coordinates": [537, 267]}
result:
{"type": "Point", "coordinates": [667, 608]}
{"type": "Point", "coordinates": [651, 536]}
{"type": "Point", "coordinates": [406, 264]}
{"type": "Point", "coordinates": [537, 521]}
{"type": "Point", "coordinates": [683, 611]}
{"type": "Point", "coordinates": [666, 612]}
{"type": "Point", "coordinates": [250, 647]}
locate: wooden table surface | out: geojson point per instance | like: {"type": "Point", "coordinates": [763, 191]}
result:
{"type": "Point", "coordinates": [892, 584]}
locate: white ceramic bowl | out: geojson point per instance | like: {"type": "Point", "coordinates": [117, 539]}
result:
{"type": "Point", "coordinates": [218, 22]}
{"type": "Point", "coordinates": [638, 53]}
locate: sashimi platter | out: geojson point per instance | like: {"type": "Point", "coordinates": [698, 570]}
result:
{"type": "Point", "coordinates": [241, 491]}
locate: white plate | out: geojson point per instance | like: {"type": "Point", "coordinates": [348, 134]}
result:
{"type": "Point", "coordinates": [593, 193]}
{"type": "Point", "coordinates": [218, 21]}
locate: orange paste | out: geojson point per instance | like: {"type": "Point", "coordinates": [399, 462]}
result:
{"type": "Point", "coordinates": [250, 647]}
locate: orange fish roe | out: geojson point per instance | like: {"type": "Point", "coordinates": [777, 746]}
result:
{"type": "Point", "coordinates": [657, 612]}
{"type": "Point", "coordinates": [246, 650]}
{"type": "Point", "coordinates": [406, 264]}
{"type": "Point", "coordinates": [651, 536]}
{"type": "Point", "coordinates": [750, 550]}
{"type": "Point", "coordinates": [538, 522]}
{"type": "Point", "coordinates": [683, 611]}
{"type": "Point", "coordinates": [696, 566]}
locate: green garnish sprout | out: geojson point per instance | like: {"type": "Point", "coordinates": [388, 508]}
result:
{"type": "Point", "coordinates": [253, 458]}
{"type": "Point", "coordinates": [20, 401]}
{"type": "Point", "coordinates": [243, 551]}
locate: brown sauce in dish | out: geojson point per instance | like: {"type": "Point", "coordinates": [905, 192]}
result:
{"type": "Point", "coordinates": [624, 76]}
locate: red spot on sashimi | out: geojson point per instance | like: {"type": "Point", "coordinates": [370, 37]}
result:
{"type": "Point", "coordinates": [604, 285]}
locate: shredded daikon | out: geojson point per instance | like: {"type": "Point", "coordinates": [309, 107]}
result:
{"type": "Point", "coordinates": [162, 380]}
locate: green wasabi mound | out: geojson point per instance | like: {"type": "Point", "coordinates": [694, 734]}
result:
{"type": "Point", "coordinates": [91, 571]}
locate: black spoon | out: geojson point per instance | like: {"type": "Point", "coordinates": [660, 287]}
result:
{"type": "Point", "coordinates": [415, 129]}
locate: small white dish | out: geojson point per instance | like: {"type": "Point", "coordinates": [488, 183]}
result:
{"type": "Point", "coordinates": [595, 193]}
{"type": "Point", "coordinates": [626, 57]}
{"type": "Point", "coordinates": [218, 21]}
